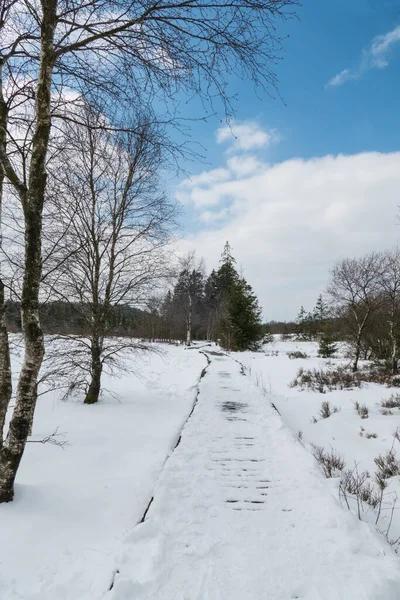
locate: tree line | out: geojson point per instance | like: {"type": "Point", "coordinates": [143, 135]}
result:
{"type": "Point", "coordinates": [220, 307]}
{"type": "Point", "coordinates": [362, 308]}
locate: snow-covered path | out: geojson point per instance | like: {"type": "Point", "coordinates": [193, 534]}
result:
{"type": "Point", "coordinates": [242, 513]}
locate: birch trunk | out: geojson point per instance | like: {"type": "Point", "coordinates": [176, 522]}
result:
{"type": "Point", "coordinates": [189, 322]}
{"type": "Point", "coordinates": [5, 365]}
{"type": "Point", "coordinates": [32, 199]}
{"type": "Point", "coordinates": [93, 392]}
{"type": "Point", "coordinates": [394, 346]}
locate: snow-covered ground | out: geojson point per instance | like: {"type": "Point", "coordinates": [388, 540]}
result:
{"type": "Point", "coordinates": [241, 510]}
{"type": "Point", "coordinates": [242, 513]}
{"type": "Point", "coordinates": [59, 537]}
{"type": "Point", "coordinates": [272, 371]}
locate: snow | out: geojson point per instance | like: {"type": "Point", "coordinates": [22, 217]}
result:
{"type": "Point", "coordinates": [73, 506]}
{"type": "Point", "coordinates": [240, 508]}
{"type": "Point", "coordinates": [241, 512]}
{"type": "Point", "coordinates": [272, 371]}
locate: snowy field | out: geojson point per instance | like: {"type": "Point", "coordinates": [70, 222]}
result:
{"type": "Point", "coordinates": [358, 440]}
{"type": "Point", "coordinates": [72, 506]}
{"type": "Point", "coordinates": [241, 509]}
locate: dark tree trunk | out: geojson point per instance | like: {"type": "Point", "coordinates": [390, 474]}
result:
{"type": "Point", "coordinates": [93, 392]}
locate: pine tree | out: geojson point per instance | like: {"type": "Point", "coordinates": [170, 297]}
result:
{"type": "Point", "coordinates": [327, 346]}
{"type": "Point", "coordinates": [301, 324]}
{"type": "Point", "coordinates": [244, 317]}
{"type": "Point", "coordinates": [321, 310]}
{"type": "Point", "coordinates": [227, 276]}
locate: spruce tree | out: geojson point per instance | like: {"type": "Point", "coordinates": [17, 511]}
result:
{"type": "Point", "coordinates": [244, 317]}
{"type": "Point", "coordinates": [327, 345]}
{"type": "Point", "coordinates": [238, 313]}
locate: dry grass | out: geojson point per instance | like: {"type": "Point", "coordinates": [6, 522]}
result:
{"type": "Point", "coordinates": [332, 463]}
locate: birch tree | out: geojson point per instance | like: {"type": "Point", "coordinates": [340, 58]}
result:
{"type": "Point", "coordinates": [114, 224]}
{"type": "Point", "coordinates": [389, 282]}
{"type": "Point", "coordinates": [355, 291]}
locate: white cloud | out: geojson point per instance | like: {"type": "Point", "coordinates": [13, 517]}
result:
{"type": "Point", "coordinates": [290, 222]}
{"type": "Point", "coordinates": [341, 78]}
{"type": "Point", "coordinates": [206, 178]}
{"type": "Point", "coordinates": [245, 136]}
{"type": "Point", "coordinates": [244, 165]}
{"type": "Point", "coordinates": [375, 57]}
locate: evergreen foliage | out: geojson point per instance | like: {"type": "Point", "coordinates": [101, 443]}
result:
{"type": "Point", "coordinates": [327, 345]}
{"type": "Point", "coordinates": [244, 317]}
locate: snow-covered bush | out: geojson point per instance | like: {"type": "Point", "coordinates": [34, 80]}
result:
{"type": "Point", "coordinates": [331, 462]}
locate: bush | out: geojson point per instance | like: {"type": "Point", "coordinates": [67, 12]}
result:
{"type": "Point", "coordinates": [362, 410]}
{"type": "Point", "coordinates": [392, 402]}
{"type": "Point", "coordinates": [340, 378]}
{"type": "Point", "coordinates": [332, 463]}
{"type": "Point", "coordinates": [388, 466]}
{"type": "Point", "coordinates": [357, 485]}
{"type": "Point", "coordinates": [296, 354]}
{"type": "Point", "coordinates": [367, 434]}
{"type": "Point", "coordinates": [386, 411]}
{"type": "Point", "coordinates": [321, 381]}
{"type": "Point", "coordinates": [327, 410]}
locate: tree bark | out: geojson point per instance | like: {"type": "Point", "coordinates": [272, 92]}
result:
{"type": "Point", "coordinates": [393, 340]}
{"type": "Point", "coordinates": [189, 321]}
{"type": "Point", "coordinates": [93, 392]}
{"type": "Point", "coordinates": [5, 364]}
{"type": "Point", "coordinates": [32, 199]}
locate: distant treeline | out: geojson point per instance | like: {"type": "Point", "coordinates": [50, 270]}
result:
{"type": "Point", "coordinates": [69, 318]}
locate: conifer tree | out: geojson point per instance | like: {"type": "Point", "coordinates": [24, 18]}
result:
{"type": "Point", "coordinates": [244, 317]}
{"type": "Point", "coordinates": [327, 345]}
{"type": "Point", "coordinates": [239, 315]}
{"type": "Point", "coordinates": [321, 312]}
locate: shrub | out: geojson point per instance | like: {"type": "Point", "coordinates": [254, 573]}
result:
{"type": "Point", "coordinates": [296, 354]}
{"type": "Point", "coordinates": [388, 466]}
{"type": "Point", "coordinates": [332, 463]}
{"type": "Point", "coordinates": [357, 485]}
{"type": "Point", "coordinates": [341, 378]}
{"type": "Point", "coordinates": [362, 410]}
{"type": "Point", "coordinates": [321, 381]}
{"type": "Point", "coordinates": [392, 402]}
{"type": "Point", "coordinates": [367, 434]}
{"type": "Point", "coordinates": [386, 411]}
{"type": "Point", "coordinates": [327, 410]}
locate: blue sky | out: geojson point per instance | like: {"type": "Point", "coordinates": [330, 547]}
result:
{"type": "Point", "coordinates": [360, 115]}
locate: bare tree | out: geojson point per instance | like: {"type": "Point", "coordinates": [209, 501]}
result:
{"type": "Point", "coordinates": [355, 291]}
{"type": "Point", "coordinates": [51, 46]}
{"type": "Point", "coordinates": [389, 282]}
{"type": "Point", "coordinates": [113, 226]}
{"type": "Point", "coordinates": [5, 365]}
{"type": "Point", "coordinates": [189, 293]}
